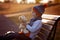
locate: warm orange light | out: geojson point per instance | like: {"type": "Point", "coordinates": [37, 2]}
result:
{"type": "Point", "coordinates": [31, 1]}
{"type": "Point", "coordinates": [45, 1]}
{"type": "Point", "coordinates": [1, 0]}
{"type": "Point", "coordinates": [18, 1]}
{"type": "Point", "coordinates": [50, 16]}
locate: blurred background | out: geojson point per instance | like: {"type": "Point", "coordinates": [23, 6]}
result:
{"type": "Point", "coordinates": [12, 6]}
{"type": "Point", "coordinates": [15, 8]}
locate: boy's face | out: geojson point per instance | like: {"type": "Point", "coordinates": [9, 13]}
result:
{"type": "Point", "coordinates": [34, 14]}
{"type": "Point", "coordinates": [38, 14]}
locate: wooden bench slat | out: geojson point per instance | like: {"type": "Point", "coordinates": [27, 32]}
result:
{"type": "Point", "coordinates": [47, 27]}
{"type": "Point", "coordinates": [44, 32]}
{"type": "Point", "coordinates": [51, 22]}
{"type": "Point", "coordinates": [52, 17]}
{"type": "Point", "coordinates": [43, 37]}
{"type": "Point", "coordinates": [48, 23]}
{"type": "Point", "coordinates": [37, 38]}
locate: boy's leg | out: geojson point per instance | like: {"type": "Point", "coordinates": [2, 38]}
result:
{"type": "Point", "coordinates": [1, 37]}
{"type": "Point", "coordinates": [11, 36]}
{"type": "Point", "coordinates": [17, 36]}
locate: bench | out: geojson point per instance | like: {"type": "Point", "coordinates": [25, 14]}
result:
{"type": "Point", "coordinates": [48, 30]}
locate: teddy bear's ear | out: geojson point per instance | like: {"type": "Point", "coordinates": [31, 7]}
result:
{"type": "Point", "coordinates": [23, 18]}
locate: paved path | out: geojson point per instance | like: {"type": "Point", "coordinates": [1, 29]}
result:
{"type": "Point", "coordinates": [7, 25]}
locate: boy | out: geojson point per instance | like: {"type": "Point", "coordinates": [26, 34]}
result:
{"type": "Point", "coordinates": [33, 27]}
{"type": "Point", "coordinates": [36, 22]}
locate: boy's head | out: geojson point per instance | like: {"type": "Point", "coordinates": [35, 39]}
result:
{"type": "Point", "coordinates": [39, 10]}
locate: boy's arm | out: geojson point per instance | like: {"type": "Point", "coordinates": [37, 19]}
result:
{"type": "Point", "coordinates": [35, 26]}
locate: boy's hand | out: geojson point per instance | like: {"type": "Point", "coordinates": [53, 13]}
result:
{"type": "Point", "coordinates": [24, 24]}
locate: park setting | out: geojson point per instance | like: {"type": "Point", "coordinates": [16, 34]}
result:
{"type": "Point", "coordinates": [11, 10]}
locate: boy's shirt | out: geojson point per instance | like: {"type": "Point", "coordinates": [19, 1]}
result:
{"type": "Point", "coordinates": [34, 29]}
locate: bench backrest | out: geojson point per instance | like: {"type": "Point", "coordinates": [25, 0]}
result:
{"type": "Point", "coordinates": [48, 27]}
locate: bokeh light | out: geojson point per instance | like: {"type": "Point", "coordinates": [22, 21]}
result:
{"type": "Point", "coordinates": [45, 1]}
{"type": "Point", "coordinates": [18, 1]}
{"type": "Point", "coordinates": [1, 0]}
{"type": "Point", "coordinates": [31, 1]}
